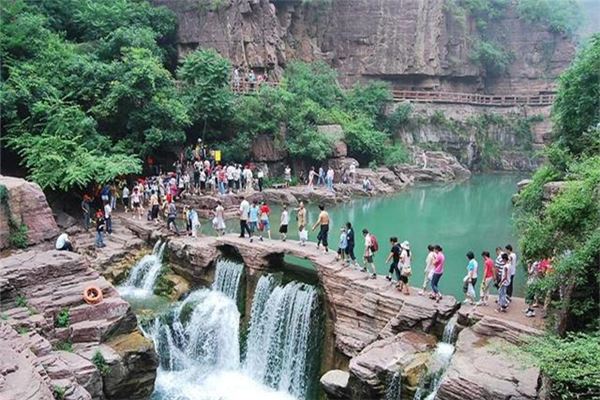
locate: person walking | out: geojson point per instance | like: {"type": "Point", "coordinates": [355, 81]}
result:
{"type": "Point", "coordinates": [352, 172]}
{"type": "Point", "coordinates": [85, 208]}
{"type": "Point", "coordinates": [283, 223]}
{"type": "Point", "coordinates": [311, 178]}
{"type": "Point", "coordinates": [428, 272]}
{"type": "Point", "coordinates": [287, 176]}
{"type": "Point", "coordinates": [488, 279]}
{"type": "Point", "coordinates": [265, 224]}
{"type": "Point", "coordinates": [405, 268]}
{"type": "Point", "coordinates": [125, 198]}
{"type": "Point", "coordinates": [470, 280]}
{"type": "Point", "coordinates": [504, 283]}
{"type": "Point", "coordinates": [219, 219]}
{"type": "Point", "coordinates": [154, 206]}
{"type": "Point", "coordinates": [395, 257]}
{"type": "Point", "coordinates": [248, 178]}
{"type": "Point", "coordinates": [321, 177]}
{"type": "Point", "coordinates": [323, 223]}
{"type": "Point", "coordinates": [108, 217]}
{"type": "Point", "coordinates": [438, 271]}
{"type": "Point", "coordinates": [261, 176]}
{"type": "Point", "coordinates": [244, 213]}
{"type": "Point", "coordinates": [350, 257]}
{"type": "Point", "coordinates": [370, 248]}
{"type": "Point", "coordinates": [253, 219]}
{"type": "Point", "coordinates": [100, 230]}
{"type": "Point", "coordinates": [343, 244]}
{"type": "Point", "coordinates": [329, 179]}
{"type": "Point", "coordinates": [172, 217]}
{"type": "Point", "coordinates": [136, 203]}
{"type": "Point", "coordinates": [512, 258]}
{"type": "Point", "coordinates": [301, 219]}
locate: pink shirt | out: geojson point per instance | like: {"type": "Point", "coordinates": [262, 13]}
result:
{"type": "Point", "coordinates": [438, 264]}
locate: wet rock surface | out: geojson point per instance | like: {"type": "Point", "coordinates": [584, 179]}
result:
{"type": "Point", "coordinates": [487, 368]}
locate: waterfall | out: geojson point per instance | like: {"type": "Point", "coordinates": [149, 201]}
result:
{"type": "Point", "coordinates": [144, 274]}
{"type": "Point", "coordinates": [227, 279]}
{"type": "Point", "coordinates": [394, 387]}
{"type": "Point", "coordinates": [431, 382]}
{"type": "Point", "coordinates": [282, 336]}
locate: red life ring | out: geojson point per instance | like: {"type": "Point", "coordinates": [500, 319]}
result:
{"type": "Point", "coordinates": [92, 294]}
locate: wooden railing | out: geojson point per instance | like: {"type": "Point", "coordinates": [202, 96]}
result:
{"type": "Point", "coordinates": [424, 96]}
{"type": "Point", "coordinates": [473, 98]}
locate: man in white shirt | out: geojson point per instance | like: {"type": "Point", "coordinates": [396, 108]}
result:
{"type": "Point", "coordinates": [287, 174]}
{"type": "Point", "coordinates": [248, 178]}
{"type": "Point", "coordinates": [244, 211]}
{"type": "Point", "coordinates": [329, 179]}
{"type": "Point", "coordinates": [512, 258]}
{"type": "Point", "coordinates": [428, 269]}
{"type": "Point", "coordinates": [63, 243]}
{"type": "Point", "coordinates": [260, 175]}
{"type": "Point", "coordinates": [108, 217]}
{"type": "Point", "coordinates": [237, 174]}
{"type": "Point", "coordinates": [368, 255]}
{"type": "Point", "coordinates": [230, 171]}
{"type": "Point", "coordinates": [352, 173]}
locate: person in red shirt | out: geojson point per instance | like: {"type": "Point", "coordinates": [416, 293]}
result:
{"type": "Point", "coordinates": [488, 278]}
{"type": "Point", "coordinates": [264, 223]}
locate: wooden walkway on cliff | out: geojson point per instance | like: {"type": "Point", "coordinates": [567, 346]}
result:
{"type": "Point", "coordinates": [427, 96]}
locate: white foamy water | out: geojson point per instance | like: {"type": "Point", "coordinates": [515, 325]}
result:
{"type": "Point", "coordinates": [142, 277]}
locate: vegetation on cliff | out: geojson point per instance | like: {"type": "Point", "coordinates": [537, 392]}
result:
{"type": "Point", "coordinates": [566, 227]}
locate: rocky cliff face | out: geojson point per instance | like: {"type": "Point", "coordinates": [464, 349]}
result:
{"type": "Point", "coordinates": [412, 43]}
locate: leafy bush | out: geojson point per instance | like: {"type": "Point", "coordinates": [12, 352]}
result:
{"type": "Point", "coordinates": [64, 345]}
{"type": "Point", "coordinates": [62, 318]}
{"type": "Point", "coordinates": [21, 301]}
{"type": "Point", "coordinates": [491, 57]}
{"type": "Point", "coordinates": [59, 392]}
{"type": "Point", "coordinates": [100, 362]}
{"type": "Point", "coordinates": [395, 155]}
{"type": "Point", "coordinates": [572, 364]}
{"type": "Point", "coordinates": [365, 142]}
{"type": "Point", "coordinates": [576, 109]}
{"type": "Point", "coordinates": [558, 15]}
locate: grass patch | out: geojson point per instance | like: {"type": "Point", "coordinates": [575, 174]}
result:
{"type": "Point", "coordinates": [21, 301]}
{"type": "Point", "coordinates": [100, 362]}
{"type": "Point", "coordinates": [59, 392]}
{"type": "Point", "coordinates": [62, 319]}
{"type": "Point", "coordinates": [65, 345]}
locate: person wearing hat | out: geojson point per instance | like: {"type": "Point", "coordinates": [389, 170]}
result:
{"type": "Point", "coordinates": [405, 268]}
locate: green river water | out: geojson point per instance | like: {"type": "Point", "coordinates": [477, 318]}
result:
{"type": "Point", "coordinates": [471, 215]}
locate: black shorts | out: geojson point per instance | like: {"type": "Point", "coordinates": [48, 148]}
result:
{"type": "Point", "coordinates": [136, 204]}
{"type": "Point", "coordinates": [283, 229]}
{"type": "Point", "coordinates": [126, 201]}
{"type": "Point", "coordinates": [404, 279]}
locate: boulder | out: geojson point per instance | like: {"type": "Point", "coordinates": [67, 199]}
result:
{"type": "Point", "coordinates": [335, 133]}
{"type": "Point", "coordinates": [406, 353]}
{"type": "Point", "coordinates": [432, 166]}
{"type": "Point", "coordinates": [274, 196]}
{"type": "Point", "coordinates": [27, 205]}
{"type": "Point", "coordinates": [265, 149]}
{"type": "Point", "coordinates": [335, 384]}
{"type": "Point", "coordinates": [191, 261]}
{"type": "Point", "coordinates": [133, 363]}
{"type": "Point", "coordinates": [552, 189]}
{"type": "Point", "coordinates": [486, 368]}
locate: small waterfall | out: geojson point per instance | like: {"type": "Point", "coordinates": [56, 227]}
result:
{"type": "Point", "coordinates": [394, 387]}
{"type": "Point", "coordinates": [227, 279]}
{"type": "Point", "coordinates": [144, 274]}
{"type": "Point", "coordinates": [282, 336]}
{"type": "Point", "coordinates": [431, 382]}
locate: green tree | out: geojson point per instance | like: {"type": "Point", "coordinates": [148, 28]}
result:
{"type": "Point", "coordinates": [557, 15]}
{"type": "Point", "coordinates": [205, 77]}
{"type": "Point", "coordinates": [576, 109]}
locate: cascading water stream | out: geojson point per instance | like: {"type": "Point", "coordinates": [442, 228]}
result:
{"type": "Point", "coordinates": [394, 387]}
{"type": "Point", "coordinates": [228, 277]}
{"type": "Point", "coordinates": [198, 342]}
{"type": "Point", "coordinates": [144, 274]}
{"type": "Point", "coordinates": [281, 338]}
{"type": "Point", "coordinates": [431, 382]}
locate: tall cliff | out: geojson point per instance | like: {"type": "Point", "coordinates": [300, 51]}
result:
{"type": "Point", "coordinates": [420, 44]}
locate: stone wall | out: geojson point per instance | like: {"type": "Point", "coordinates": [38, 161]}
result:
{"type": "Point", "coordinates": [412, 43]}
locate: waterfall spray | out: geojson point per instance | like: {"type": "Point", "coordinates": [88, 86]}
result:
{"type": "Point", "coordinates": [144, 274]}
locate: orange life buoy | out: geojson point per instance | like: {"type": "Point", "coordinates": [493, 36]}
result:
{"type": "Point", "coordinates": [92, 294]}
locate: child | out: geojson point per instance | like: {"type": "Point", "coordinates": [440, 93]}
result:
{"type": "Point", "coordinates": [284, 222]}
{"type": "Point", "coordinates": [341, 253]}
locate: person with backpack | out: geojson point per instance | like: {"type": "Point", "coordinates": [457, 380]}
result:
{"type": "Point", "coordinates": [371, 247]}
{"type": "Point", "coordinates": [323, 222]}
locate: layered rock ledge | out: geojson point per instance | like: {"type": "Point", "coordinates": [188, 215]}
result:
{"type": "Point", "coordinates": [36, 287]}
